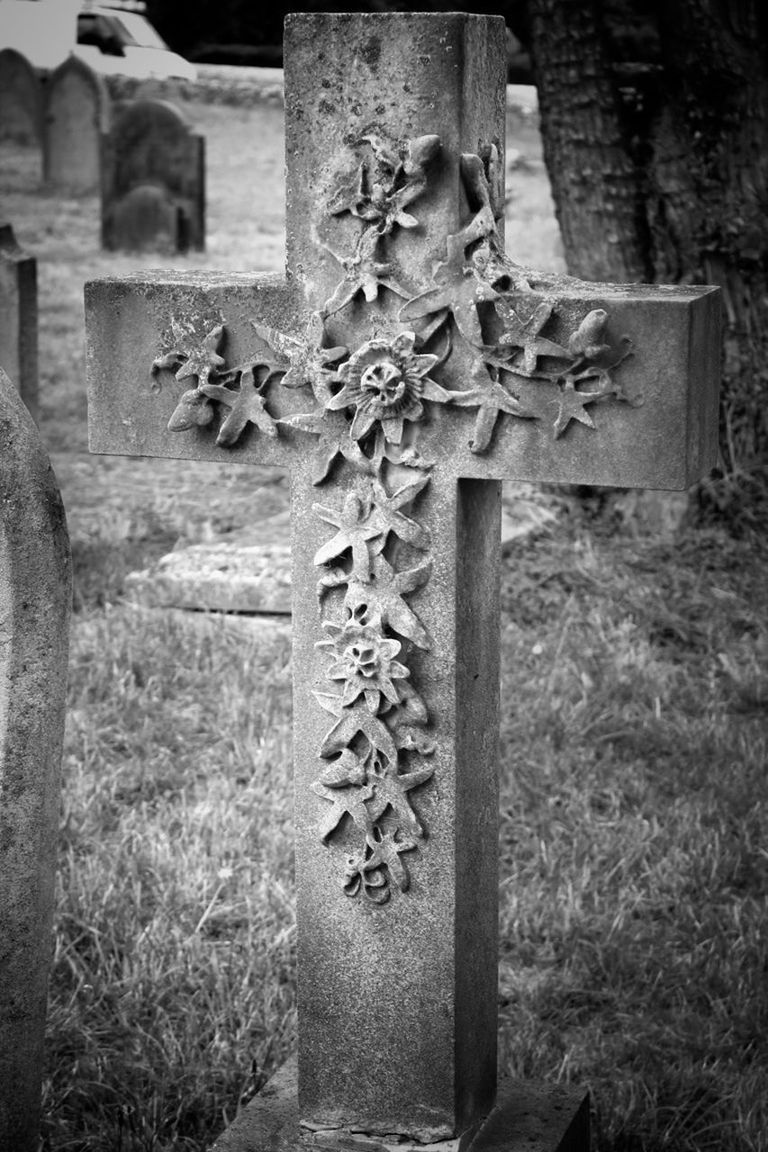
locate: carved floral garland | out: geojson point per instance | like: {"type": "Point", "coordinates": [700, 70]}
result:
{"type": "Point", "coordinates": [377, 749]}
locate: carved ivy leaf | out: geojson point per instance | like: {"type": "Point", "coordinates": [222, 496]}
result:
{"type": "Point", "coordinates": [383, 596]}
{"type": "Point", "coordinates": [572, 406]}
{"type": "Point", "coordinates": [392, 789]}
{"type": "Point", "coordinates": [345, 802]}
{"type": "Point", "coordinates": [194, 358]}
{"type": "Point", "coordinates": [346, 769]}
{"type": "Point", "coordinates": [362, 273]}
{"type": "Point", "coordinates": [355, 529]}
{"type": "Point", "coordinates": [246, 405]}
{"type": "Point", "coordinates": [525, 335]}
{"type": "Point", "coordinates": [385, 183]}
{"type": "Point", "coordinates": [355, 720]}
{"type": "Point", "coordinates": [334, 440]}
{"type": "Point", "coordinates": [572, 401]}
{"type": "Point", "coordinates": [408, 720]}
{"type": "Point", "coordinates": [458, 290]}
{"type": "Point", "coordinates": [387, 514]}
{"type": "Point", "coordinates": [333, 579]}
{"type": "Point", "coordinates": [490, 398]}
{"type": "Point", "coordinates": [306, 360]}
{"type": "Point", "coordinates": [382, 851]}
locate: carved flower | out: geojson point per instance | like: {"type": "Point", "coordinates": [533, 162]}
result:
{"type": "Point", "coordinates": [385, 384]}
{"type": "Point", "coordinates": [365, 660]}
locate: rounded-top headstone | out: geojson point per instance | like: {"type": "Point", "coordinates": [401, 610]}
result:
{"type": "Point", "coordinates": [151, 146]}
{"type": "Point", "coordinates": [21, 101]}
{"type": "Point", "coordinates": [76, 115]}
{"type": "Point", "coordinates": [152, 138]}
{"type": "Point", "coordinates": [35, 598]}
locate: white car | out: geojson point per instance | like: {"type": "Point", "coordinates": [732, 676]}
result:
{"type": "Point", "coordinates": [112, 39]}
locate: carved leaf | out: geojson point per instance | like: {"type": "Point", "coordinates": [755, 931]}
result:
{"type": "Point", "coordinates": [383, 596]}
{"type": "Point", "coordinates": [194, 410]}
{"type": "Point", "coordinates": [353, 721]}
{"type": "Point", "coordinates": [246, 406]}
{"type": "Point", "coordinates": [345, 802]}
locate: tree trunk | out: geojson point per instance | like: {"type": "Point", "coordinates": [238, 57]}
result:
{"type": "Point", "coordinates": [655, 128]}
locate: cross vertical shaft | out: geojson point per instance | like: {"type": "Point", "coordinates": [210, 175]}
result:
{"type": "Point", "coordinates": [397, 1004]}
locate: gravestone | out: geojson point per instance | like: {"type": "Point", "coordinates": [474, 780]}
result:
{"type": "Point", "coordinates": [18, 317]}
{"type": "Point", "coordinates": [248, 572]}
{"type": "Point", "coordinates": [35, 595]}
{"type": "Point", "coordinates": [402, 368]}
{"type": "Point", "coordinates": [153, 181]}
{"type": "Point", "coordinates": [76, 117]}
{"type": "Point", "coordinates": [21, 101]}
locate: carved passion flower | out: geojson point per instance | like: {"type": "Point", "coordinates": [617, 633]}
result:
{"type": "Point", "coordinates": [385, 384]}
{"type": "Point", "coordinates": [365, 661]}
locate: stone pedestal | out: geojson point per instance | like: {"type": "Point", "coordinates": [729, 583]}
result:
{"type": "Point", "coordinates": [528, 1117]}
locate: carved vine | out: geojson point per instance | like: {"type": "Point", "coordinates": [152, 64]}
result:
{"type": "Point", "coordinates": [368, 408]}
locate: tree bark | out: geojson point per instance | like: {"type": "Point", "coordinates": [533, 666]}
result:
{"type": "Point", "coordinates": [655, 127]}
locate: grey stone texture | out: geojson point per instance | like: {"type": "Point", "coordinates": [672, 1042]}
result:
{"type": "Point", "coordinates": [394, 140]}
{"type": "Point", "coordinates": [21, 100]}
{"type": "Point", "coordinates": [250, 573]}
{"type": "Point", "coordinates": [527, 1117]}
{"type": "Point", "coordinates": [35, 597]}
{"type": "Point", "coordinates": [18, 318]}
{"type": "Point", "coordinates": [152, 181]}
{"type": "Point", "coordinates": [75, 118]}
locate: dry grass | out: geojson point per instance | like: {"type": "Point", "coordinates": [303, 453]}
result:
{"type": "Point", "coordinates": [633, 834]}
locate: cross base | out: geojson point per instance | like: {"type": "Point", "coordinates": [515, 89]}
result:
{"type": "Point", "coordinates": [528, 1117]}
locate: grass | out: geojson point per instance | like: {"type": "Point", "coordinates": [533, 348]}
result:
{"type": "Point", "coordinates": [634, 846]}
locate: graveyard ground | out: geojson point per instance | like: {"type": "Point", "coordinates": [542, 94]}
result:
{"type": "Point", "coordinates": [634, 823]}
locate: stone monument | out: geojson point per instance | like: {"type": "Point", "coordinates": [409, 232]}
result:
{"type": "Point", "coordinates": [153, 181]}
{"type": "Point", "coordinates": [76, 116]}
{"type": "Point", "coordinates": [21, 101]}
{"type": "Point", "coordinates": [35, 597]}
{"type": "Point", "coordinates": [18, 317]}
{"type": "Point", "coordinates": [402, 368]}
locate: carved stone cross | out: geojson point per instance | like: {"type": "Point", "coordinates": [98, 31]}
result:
{"type": "Point", "coordinates": [403, 368]}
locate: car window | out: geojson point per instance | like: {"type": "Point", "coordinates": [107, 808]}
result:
{"type": "Point", "coordinates": [101, 31]}
{"type": "Point", "coordinates": [137, 31]}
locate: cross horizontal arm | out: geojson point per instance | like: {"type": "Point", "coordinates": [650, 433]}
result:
{"type": "Point", "coordinates": [169, 355]}
{"type": "Point", "coordinates": [632, 399]}
{"type": "Point", "coordinates": [211, 367]}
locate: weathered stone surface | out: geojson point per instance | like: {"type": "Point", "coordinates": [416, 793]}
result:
{"type": "Point", "coordinates": [21, 102]}
{"type": "Point", "coordinates": [153, 180]}
{"type": "Point", "coordinates": [528, 1117]}
{"type": "Point", "coordinates": [76, 116]}
{"type": "Point", "coordinates": [35, 595]}
{"type": "Point", "coordinates": [400, 372]}
{"type": "Point", "coordinates": [18, 318]}
{"type": "Point", "coordinates": [248, 573]}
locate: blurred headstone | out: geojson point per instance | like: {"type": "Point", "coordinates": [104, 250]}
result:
{"type": "Point", "coordinates": [76, 117]}
{"type": "Point", "coordinates": [153, 181]}
{"type": "Point", "coordinates": [18, 317]}
{"type": "Point", "coordinates": [35, 598]}
{"type": "Point", "coordinates": [21, 100]}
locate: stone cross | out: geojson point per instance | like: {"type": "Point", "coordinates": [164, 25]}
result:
{"type": "Point", "coordinates": [400, 371]}
{"type": "Point", "coordinates": [35, 597]}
